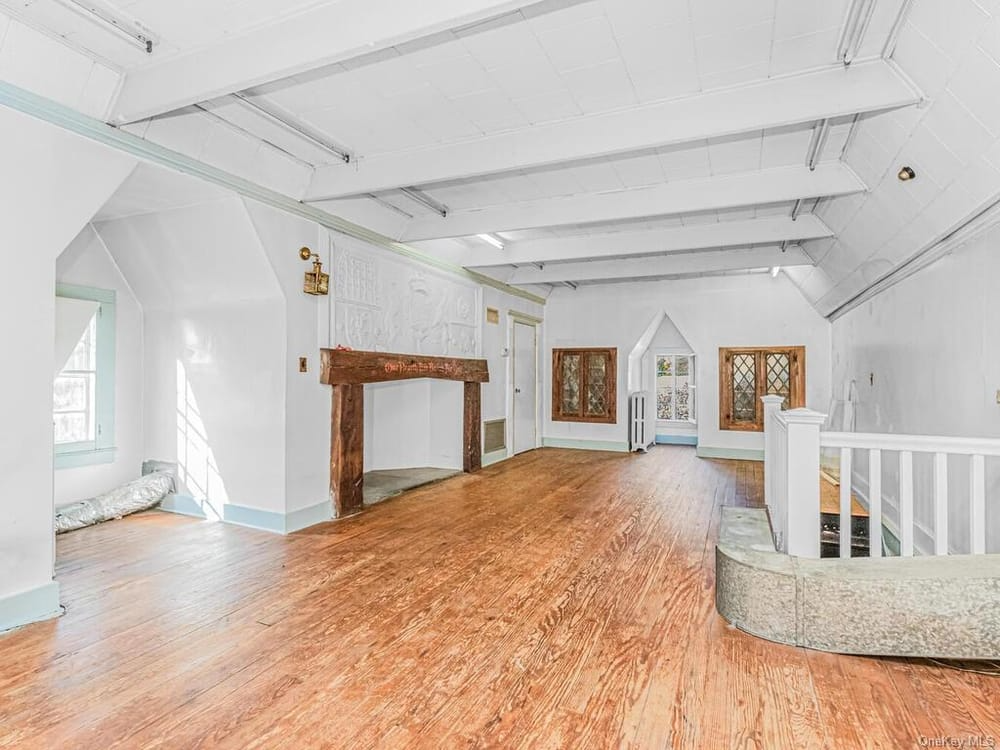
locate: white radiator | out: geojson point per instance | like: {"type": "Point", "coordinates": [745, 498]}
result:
{"type": "Point", "coordinates": [641, 421]}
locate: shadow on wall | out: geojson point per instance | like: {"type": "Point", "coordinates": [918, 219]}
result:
{"type": "Point", "coordinates": [197, 468]}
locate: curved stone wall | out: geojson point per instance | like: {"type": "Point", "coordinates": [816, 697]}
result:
{"type": "Point", "coordinates": [944, 607]}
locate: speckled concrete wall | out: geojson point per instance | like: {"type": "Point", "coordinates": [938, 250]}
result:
{"type": "Point", "coordinates": [945, 607]}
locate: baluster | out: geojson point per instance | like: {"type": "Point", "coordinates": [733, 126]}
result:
{"type": "Point", "coordinates": [846, 526]}
{"type": "Point", "coordinates": [875, 502]}
{"type": "Point", "coordinates": [978, 506]}
{"type": "Point", "coordinates": [940, 503]}
{"type": "Point", "coordinates": [906, 503]}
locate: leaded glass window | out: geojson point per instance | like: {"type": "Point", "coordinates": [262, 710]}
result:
{"type": "Point", "coordinates": [584, 385]}
{"type": "Point", "coordinates": [746, 375]}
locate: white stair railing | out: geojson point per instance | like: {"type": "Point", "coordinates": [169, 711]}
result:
{"type": "Point", "coordinates": [792, 444]}
{"type": "Point", "coordinates": [976, 449]}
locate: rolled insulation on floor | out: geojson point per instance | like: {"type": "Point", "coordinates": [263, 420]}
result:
{"type": "Point", "coordinates": [139, 495]}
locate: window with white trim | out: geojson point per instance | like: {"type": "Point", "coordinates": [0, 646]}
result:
{"type": "Point", "coordinates": [84, 387]}
{"type": "Point", "coordinates": [675, 387]}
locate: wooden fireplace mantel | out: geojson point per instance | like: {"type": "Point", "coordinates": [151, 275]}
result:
{"type": "Point", "coordinates": [348, 371]}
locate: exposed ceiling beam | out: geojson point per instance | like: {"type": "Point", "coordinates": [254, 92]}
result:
{"type": "Point", "coordinates": [766, 231]}
{"type": "Point", "coordinates": [806, 97]}
{"type": "Point", "coordinates": [775, 185]}
{"type": "Point", "coordinates": [318, 36]}
{"type": "Point", "coordinates": [663, 265]}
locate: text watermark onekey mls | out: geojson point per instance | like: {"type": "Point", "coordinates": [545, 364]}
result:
{"type": "Point", "coordinates": [968, 741]}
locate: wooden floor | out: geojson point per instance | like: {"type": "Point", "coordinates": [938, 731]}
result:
{"type": "Point", "coordinates": [561, 599]}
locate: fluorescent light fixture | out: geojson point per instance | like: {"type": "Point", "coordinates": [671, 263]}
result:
{"type": "Point", "coordinates": [492, 240]}
{"type": "Point", "coordinates": [277, 115]}
{"type": "Point", "coordinates": [820, 132]}
{"type": "Point", "coordinates": [859, 15]}
{"type": "Point", "coordinates": [419, 196]}
{"type": "Point", "coordinates": [775, 271]}
{"type": "Point", "coordinates": [127, 28]}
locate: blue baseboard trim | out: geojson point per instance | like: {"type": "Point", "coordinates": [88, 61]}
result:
{"type": "Point", "coordinates": [677, 440]}
{"type": "Point", "coordinates": [738, 454]}
{"type": "Point", "coordinates": [277, 523]}
{"type": "Point", "coordinates": [586, 445]}
{"type": "Point", "coordinates": [303, 518]}
{"type": "Point", "coordinates": [34, 605]}
{"type": "Point", "coordinates": [184, 505]}
{"type": "Point", "coordinates": [495, 457]}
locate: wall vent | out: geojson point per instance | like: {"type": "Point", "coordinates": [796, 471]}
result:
{"type": "Point", "coordinates": [494, 435]}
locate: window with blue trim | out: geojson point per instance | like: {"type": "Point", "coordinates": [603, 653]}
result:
{"type": "Point", "coordinates": [84, 390]}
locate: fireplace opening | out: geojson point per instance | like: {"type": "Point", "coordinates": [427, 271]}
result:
{"type": "Point", "coordinates": [413, 436]}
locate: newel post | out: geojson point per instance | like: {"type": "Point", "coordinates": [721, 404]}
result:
{"type": "Point", "coordinates": [772, 405]}
{"type": "Point", "coordinates": [803, 520]}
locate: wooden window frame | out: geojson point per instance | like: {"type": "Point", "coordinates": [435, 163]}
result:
{"type": "Point", "coordinates": [796, 382]}
{"type": "Point", "coordinates": [611, 395]}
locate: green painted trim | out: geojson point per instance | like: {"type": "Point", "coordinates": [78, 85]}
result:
{"type": "Point", "coordinates": [72, 291]}
{"type": "Point", "coordinates": [277, 523]}
{"type": "Point", "coordinates": [69, 119]}
{"type": "Point", "coordinates": [33, 605]}
{"type": "Point", "coordinates": [738, 454]}
{"type": "Point", "coordinates": [495, 457]}
{"type": "Point", "coordinates": [78, 458]}
{"type": "Point", "coordinates": [184, 505]}
{"type": "Point", "coordinates": [303, 518]}
{"type": "Point", "coordinates": [587, 445]}
{"type": "Point", "coordinates": [677, 440]}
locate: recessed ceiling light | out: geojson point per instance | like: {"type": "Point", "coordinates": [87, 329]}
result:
{"type": "Point", "coordinates": [906, 174]}
{"type": "Point", "coordinates": [491, 239]}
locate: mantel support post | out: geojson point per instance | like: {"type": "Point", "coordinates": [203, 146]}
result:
{"type": "Point", "coordinates": [472, 441]}
{"type": "Point", "coordinates": [347, 454]}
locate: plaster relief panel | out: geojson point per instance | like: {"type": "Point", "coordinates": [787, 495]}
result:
{"type": "Point", "coordinates": [384, 303]}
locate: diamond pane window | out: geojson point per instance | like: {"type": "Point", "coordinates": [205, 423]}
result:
{"type": "Point", "coordinates": [584, 385]}
{"type": "Point", "coordinates": [744, 388]}
{"type": "Point", "coordinates": [597, 385]}
{"type": "Point", "coordinates": [746, 375]}
{"type": "Point", "coordinates": [778, 370]}
{"type": "Point", "coordinates": [571, 384]}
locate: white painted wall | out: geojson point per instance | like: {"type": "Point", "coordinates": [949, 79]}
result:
{"type": "Point", "coordinates": [215, 333]}
{"type": "Point", "coordinates": [86, 262]}
{"type": "Point", "coordinates": [307, 401]}
{"type": "Point", "coordinates": [712, 313]}
{"type": "Point", "coordinates": [52, 169]}
{"type": "Point", "coordinates": [925, 358]}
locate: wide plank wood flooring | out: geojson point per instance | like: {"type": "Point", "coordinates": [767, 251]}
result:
{"type": "Point", "coordinates": [558, 600]}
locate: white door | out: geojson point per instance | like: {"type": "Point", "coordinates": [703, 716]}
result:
{"type": "Point", "coordinates": [525, 383]}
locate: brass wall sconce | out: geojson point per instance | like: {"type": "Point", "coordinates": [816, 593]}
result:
{"type": "Point", "coordinates": [316, 282]}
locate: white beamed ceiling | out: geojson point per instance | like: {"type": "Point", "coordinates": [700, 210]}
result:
{"type": "Point", "coordinates": [667, 135]}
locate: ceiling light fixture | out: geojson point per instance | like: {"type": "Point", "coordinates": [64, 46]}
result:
{"type": "Point", "coordinates": [492, 240]}
{"type": "Point", "coordinates": [285, 120]}
{"type": "Point", "coordinates": [906, 174]}
{"type": "Point", "coordinates": [796, 209]}
{"type": "Point", "coordinates": [858, 17]}
{"type": "Point", "coordinates": [415, 194]}
{"type": "Point", "coordinates": [820, 131]}
{"type": "Point", "coordinates": [128, 28]}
